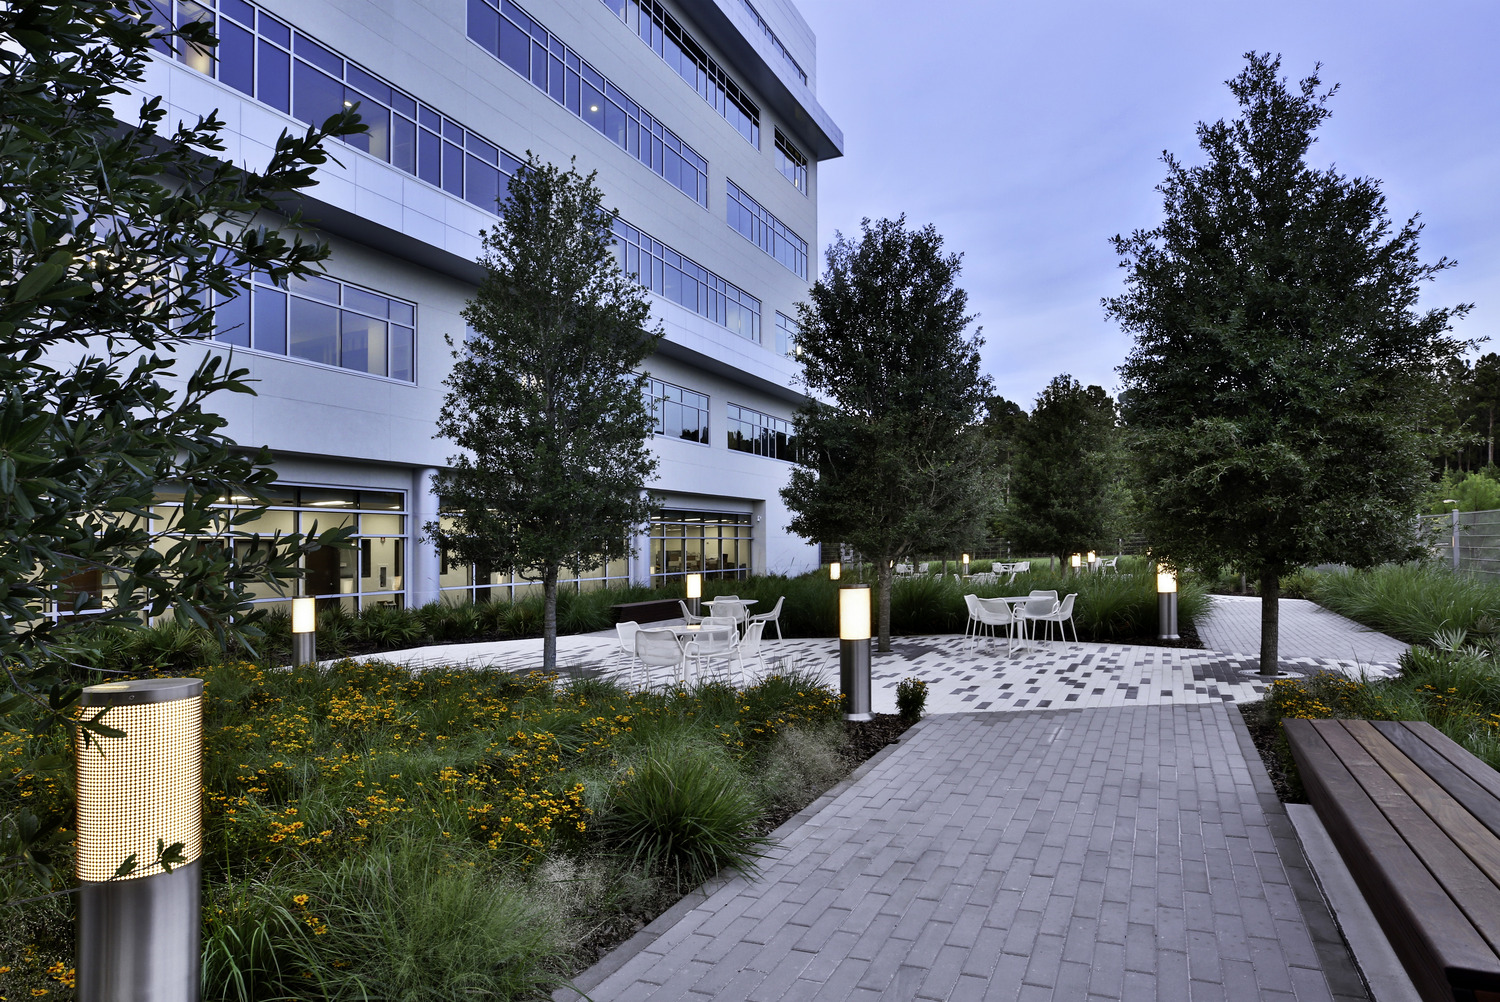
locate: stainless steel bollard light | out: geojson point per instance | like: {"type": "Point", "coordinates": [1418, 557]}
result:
{"type": "Point", "coordinates": [854, 650]}
{"type": "Point", "coordinates": [138, 933]}
{"type": "Point", "coordinates": [1075, 561]}
{"type": "Point", "coordinates": [304, 631]}
{"type": "Point", "coordinates": [966, 565]}
{"type": "Point", "coordinates": [694, 592]}
{"type": "Point", "coordinates": [1166, 603]}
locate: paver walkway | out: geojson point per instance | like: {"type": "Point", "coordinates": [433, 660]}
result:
{"type": "Point", "coordinates": [1307, 630]}
{"type": "Point", "coordinates": [1114, 853]}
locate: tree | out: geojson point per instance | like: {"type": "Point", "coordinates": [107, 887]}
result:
{"type": "Point", "coordinates": [1063, 490]}
{"type": "Point", "coordinates": [544, 398]}
{"type": "Point", "coordinates": [1484, 397]}
{"type": "Point", "coordinates": [115, 234]}
{"type": "Point", "coordinates": [892, 458]}
{"type": "Point", "coordinates": [1278, 356]}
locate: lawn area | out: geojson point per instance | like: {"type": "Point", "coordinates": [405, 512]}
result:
{"type": "Point", "coordinates": [371, 832]}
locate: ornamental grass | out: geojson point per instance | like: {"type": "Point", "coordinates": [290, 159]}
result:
{"type": "Point", "coordinates": [376, 832]}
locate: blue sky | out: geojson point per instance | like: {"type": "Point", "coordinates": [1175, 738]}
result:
{"type": "Point", "coordinates": [1031, 133]}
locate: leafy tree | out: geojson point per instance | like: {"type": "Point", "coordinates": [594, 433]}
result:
{"type": "Point", "coordinates": [544, 398]}
{"type": "Point", "coordinates": [115, 234]}
{"type": "Point", "coordinates": [1484, 397]}
{"type": "Point", "coordinates": [1278, 358]}
{"type": "Point", "coordinates": [1063, 489]}
{"type": "Point", "coordinates": [893, 459]}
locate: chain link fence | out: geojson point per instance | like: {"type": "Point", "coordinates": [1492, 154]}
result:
{"type": "Point", "coordinates": [1465, 540]}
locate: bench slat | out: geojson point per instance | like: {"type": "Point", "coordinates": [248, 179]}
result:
{"type": "Point", "coordinates": [1467, 762]}
{"type": "Point", "coordinates": [1399, 888]}
{"type": "Point", "coordinates": [1472, 887]}
{"type": "Point", "coordinates": [1444, 770]}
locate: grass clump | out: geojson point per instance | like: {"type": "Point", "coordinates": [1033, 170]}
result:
{"type": "Point", "coordinates": [1412, 602]}
{"type": "Point", "coordinates": [685, 812]}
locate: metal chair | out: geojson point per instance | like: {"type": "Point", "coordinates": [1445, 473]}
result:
{"type": "Point", "coordinates": [1061, 614]}
{"type": "Point", "coordinates": [626, 632]}
{"type": "Point", "coordinates": [661, 649]}
{"type": "Point", "coordinates": [749, 647]}
{"type": "Point", "coordinates": [715, 642]}
{"type": "Point", "coordinates": [687, 616]}
{"type": "Point", "coordinates": [774, 616]}
{"type": "Point", "coordinates": [993, 612]}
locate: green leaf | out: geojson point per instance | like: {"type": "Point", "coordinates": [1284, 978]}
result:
{"type": "Point", "coordinates": [42, 277]}
{"type": "Point", "coordinates": [126, 868]}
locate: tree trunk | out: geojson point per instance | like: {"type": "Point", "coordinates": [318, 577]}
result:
{"type": "Point", "coordinates": [549, 619]}
{"type": "Point", "coordinates": [1492, 436]}
{"type": "Point", "coordinates": [884, 575]}
{"type": "Point", "coordinates": [1270, 623]}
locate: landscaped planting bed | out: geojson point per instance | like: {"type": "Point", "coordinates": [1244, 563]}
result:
{"type": "Point", "coordinates": [371, 832]}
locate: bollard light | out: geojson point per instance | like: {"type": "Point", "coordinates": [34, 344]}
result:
{"type": "Point", "coordinates": [138, 931]}
{"type": "Point", "coordinates": [966, 565]}
{"type": "Point", "coordinates": [854, 650]}
{"type": "Point", "coordinates": [833, 571]}
{"type": "Point", "coordinates": [1093, 559]}
{"type": "Point", "coordinates": [1166, 603]}
{"type": "Point", "coordinates": [694, 592]}
{"type": "Point", "coordinates": [304, 631]}
{"type": "Point", "coordinates": [1075, 560]}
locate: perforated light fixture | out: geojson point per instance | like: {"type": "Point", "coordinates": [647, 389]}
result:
{"type": "Point", "coordinates": [966, 565]}
{"type": "Point", "coordinates": [138, 927]}
{"type": "Point", "coordinates": [1076, 559]}
{"type": "Point", "coordinates": [694, 592]}
{"type": "Point", "coordinates": [304, 631]}
{"type": "Point", "coordinates": [833, 571]}
{"type": "Point", "coordinates": [1093, 556]}
{"type": "Point", "coordinates": [854, 650]}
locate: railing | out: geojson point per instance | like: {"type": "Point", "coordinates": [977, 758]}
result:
{"type": "Point", "coordinates": [1464, 540]}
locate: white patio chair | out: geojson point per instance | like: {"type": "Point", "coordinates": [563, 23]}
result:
{"type": "Point", "coordinates": [971, 628]}
{"type": "Point", "coordinates": [1039, 605]}
{"type": "Point", "coordinates": [749, 647]}
{"type": "Point", "coordinates": [687, 615]}
{"type": "Point", "coordinates": [1019, 567]}
{"type": "Point", "coordinates": [774, 616]}
{"type": "Point", "coordinates": [1061, 614]}
{"type": "Point", "coordinates": [661, 649]}
{"type": "Point", "coordinates": [1108, 565]}
{"type": "Point", "coordinates": [626, 632]}
{"type": "Point", "coordinates": [714, 643]}
{"type": "Point", "coordinates": [993, 612]}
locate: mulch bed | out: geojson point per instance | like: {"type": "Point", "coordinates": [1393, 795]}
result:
{"type": "Point", "coordinates": [1266, 734]}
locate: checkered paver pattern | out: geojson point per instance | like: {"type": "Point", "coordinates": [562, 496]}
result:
{"type": "Point", "coordinates": [1110, 853]}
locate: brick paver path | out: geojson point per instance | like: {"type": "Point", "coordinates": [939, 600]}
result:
{"type": "Point", "coordinates": [1307, 630]}
{"type": "Point", "coordinates": [1109, 853]}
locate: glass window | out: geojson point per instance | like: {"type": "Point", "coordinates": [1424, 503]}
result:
{"type": "Point", "coordinates": [314, 331]}
{"type": "Point", "coordinates": [316, 95]}
{"type": "Point", "coordinates": [237, 57]}
{"type": "Point", "coordinates": [764, 230]}
{"type": "Point", "coordinates": [272, 76]}
{"type": "Point", "coordinates": [791, 163]}
{"type": "Point", "coordinates": [760, 434]}
{"type": "Point", "coordinates": [715, 544]}
{"type": "Point", "coordinates": [232, 319]}
{"type": "Point", "coordinates": [270, 320]}
{"type": "Point", "coordinates": [680, 413]}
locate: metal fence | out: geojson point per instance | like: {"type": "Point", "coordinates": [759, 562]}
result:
{"type": "Point", "coordinates": [1465, 540]}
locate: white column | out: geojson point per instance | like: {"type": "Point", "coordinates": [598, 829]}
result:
{"type": "Point", "coordinates": [423, 566]}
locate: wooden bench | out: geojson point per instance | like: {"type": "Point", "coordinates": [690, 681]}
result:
{"type": "Point", "coordinates": [1417, 820]}
{"type": "Point", "coordinates": [653, 611]}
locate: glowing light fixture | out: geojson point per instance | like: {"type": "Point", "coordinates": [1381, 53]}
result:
{"type": "Point", "coordinates": [694, 592]}
{"type": "Point", "coordinates": [1075, 560]}
{"type": "Point", "coordinates": [138, 795]}
{"type": "Point", "coordinates": [1166, 602]}
{"type": "Point", "coordinates": [854, 650]}
{"type": "Point", "coordinates": [304, 631]}
{"type": "Point", "coordinates": [833, 571]}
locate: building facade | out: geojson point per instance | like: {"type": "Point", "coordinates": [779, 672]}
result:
{"type": "Point", "coordinates": [702, 123]}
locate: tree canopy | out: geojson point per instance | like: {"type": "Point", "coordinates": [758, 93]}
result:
{"type": "Point", "coordinates": [544, 398]}
{"type": "Point", "coordinates": [1064, 495]}
{"type": "Point", "coordinates": [893, 458]}
{"type": "Point", "coordinates": [116, 233]}
{"type": "Point", "coordinates": [1279, 357]}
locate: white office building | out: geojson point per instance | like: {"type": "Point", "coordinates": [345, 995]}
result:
{"type": "Point", "coordinates": [702, 122]}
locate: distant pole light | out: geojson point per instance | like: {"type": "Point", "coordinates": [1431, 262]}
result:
{"type": "Point", "coordinates": [1166, 603]}
{"type": "Point", "coordinates": [854, 650]}
{"type": "Point", "coordinates": [304, 631]}
{"type": "Point", "coordinates": [833, 571]}
{"type": "Point", "coordinates": [694, 592]}
{"type": "Point", "coordinates": [1075, 560]}
{"type": "Point", "coordinates": [138, 795]}
{"type": "Point", "coordinates": [966, 565]}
